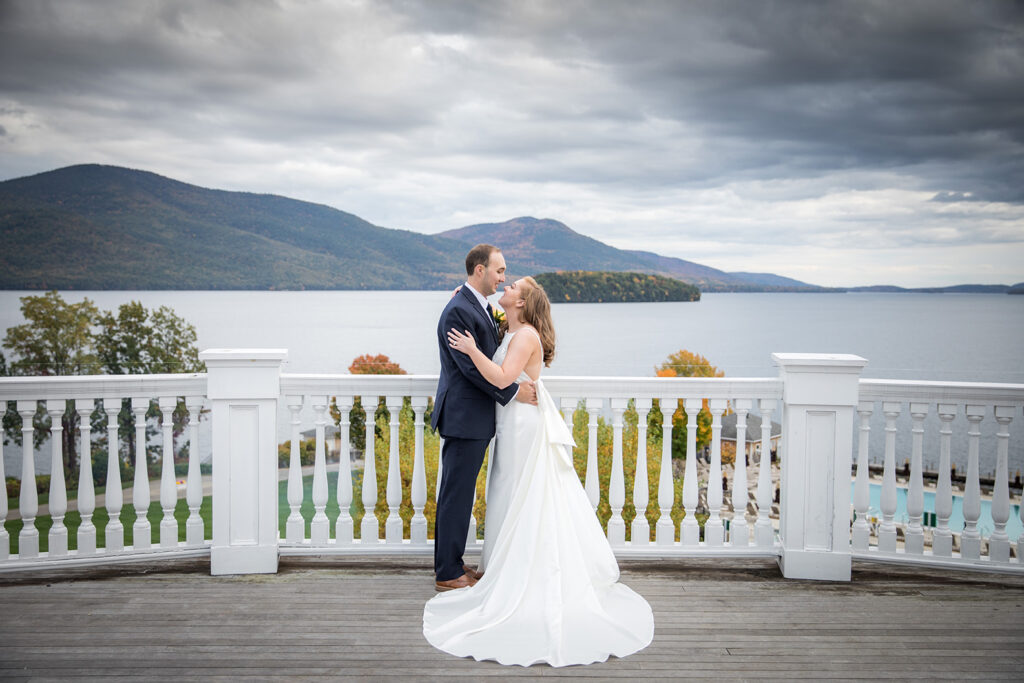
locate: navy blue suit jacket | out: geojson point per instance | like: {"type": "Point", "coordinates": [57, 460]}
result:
{"type": "Point", "coordinates": [464, 403]}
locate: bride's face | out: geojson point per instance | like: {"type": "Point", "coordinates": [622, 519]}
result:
{"type": "Point", "coordinates": [511, 296]}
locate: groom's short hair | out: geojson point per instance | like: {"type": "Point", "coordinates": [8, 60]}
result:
{"type": "Point", "coordinates": [480, 255]}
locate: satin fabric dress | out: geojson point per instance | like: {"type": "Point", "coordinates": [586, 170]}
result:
{"type": "Point", "coordinates": [550, 591]}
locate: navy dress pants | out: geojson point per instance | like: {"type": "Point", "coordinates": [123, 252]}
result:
{"type": "Point", "coordinates": [460, 466]}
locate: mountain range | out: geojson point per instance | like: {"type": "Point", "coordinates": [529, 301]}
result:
{"type": "Point", "coordinates": [108, 227]}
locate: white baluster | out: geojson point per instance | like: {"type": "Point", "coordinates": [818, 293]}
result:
{"type": "Point", "coordinates": [942, 537]}
{"type": "Point", "coordinates": [319, 527]}
{"type": "Point", "coordinates": [861, 491]}
{"type": "Point", "coordinates": [195, 533]}
{"type": "Point", "coordinates": [690, 531]}
{"type": "Point", "coordinates": [393, 525]}
{"type": "Point", "coordinates": [295, 526]}
{"type": "Point", "coordinates": [168, 489]}
{"type": "Point", "coordinates": [86, 489]}
{"type": "Point", "coordinates": [593, 483]}
{"type": "Point", "coordinates": [739, 532]}
{"type": "Point", "coordinates": [764, 533]}
{"type": "Point", "coordinates": [665, 529]}
{"type": "Point", "coordinates": [114, 495]}
{"type": "Point", "coordinates": [617, 483]}
{"type": "Point", "coordinates": [914, 536]}
{"type": "Point", "coordinates": [568, 406]}
{"type": "Point", "coordinates": [714, 529]}
{"type": "Point", "coordinates": [141, 530]}
{"type": "Point", "coordinates": [440, 466]}
{"type": "Point", "coordinates": [369, 529]}
{"type": "Point", "coordinates": [999, 542]}
{"type": "Point", "coordinates": [640, 531]}
{"type": "Point", "coordinates": [887, 531]}
{"type": "Point", "coordinates": [970, 540]}
{"type": "Point", "coordinates": [5, 540]}
{"type": "Point", "coordinates": [28, 501]}
{"type": "Point", "coordinates": [418, 494]}
{"type": "Point", "coordinates": [343, 525]}
{"type": "Point", "coordinates": [58, 489]}
{"type": "Point", "coordinates": [471, 533]}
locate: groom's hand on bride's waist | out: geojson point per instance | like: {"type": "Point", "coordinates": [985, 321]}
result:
{"type": "Point", "coordinates": [527, 393]}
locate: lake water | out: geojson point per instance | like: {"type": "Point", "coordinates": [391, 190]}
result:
{"type": "Point", "coordinates": [955, 337]}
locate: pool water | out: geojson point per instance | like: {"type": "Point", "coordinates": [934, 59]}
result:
{"type": "Point", "coordinates": [1014, 527]}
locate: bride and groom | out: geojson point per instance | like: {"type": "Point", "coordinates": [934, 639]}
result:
{"type": "Point", "coordinates": [546, 589]}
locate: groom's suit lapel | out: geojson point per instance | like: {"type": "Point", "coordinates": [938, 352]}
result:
{"type": "Point", "coordinates": [482, 315]}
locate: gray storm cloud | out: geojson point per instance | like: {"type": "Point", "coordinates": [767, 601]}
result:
{"type": "Point", "coordinates": [731, 133]}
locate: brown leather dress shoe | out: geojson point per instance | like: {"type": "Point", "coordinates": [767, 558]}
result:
{"type": "Point", "coordinates": [464, 581]}
{"type": "Point", "coordinates": [472, 573]}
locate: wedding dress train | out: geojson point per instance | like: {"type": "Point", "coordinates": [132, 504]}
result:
{"type": "Point", "coordinates": [550, 590]}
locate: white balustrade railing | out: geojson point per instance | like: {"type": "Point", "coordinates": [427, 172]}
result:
{"type": "Point", "coordinates": [911, 540]}
{"type": "Point", "coordinates": [388, 507]}
{"type": "Point", "coordinates": [593, 396]}
{"type": "Point", "coordinates": [102, 395]}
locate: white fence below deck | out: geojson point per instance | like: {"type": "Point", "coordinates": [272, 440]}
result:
{"type": "Point", "coordinates": [906, 544]}
{"type": "Point", "coordinates": [820, 400]}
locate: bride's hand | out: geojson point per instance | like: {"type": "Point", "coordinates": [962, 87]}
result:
{"type": "Point", "coordinates": [461, 342]}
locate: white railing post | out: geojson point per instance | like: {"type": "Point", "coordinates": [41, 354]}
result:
{"type": "Point", "coordinates": [58, 489]}
{"type": "Point", "coordinates": [5, 540]}
{"type": "Point", "coordinates": [369, 528]}
{"type": "Point", "coordinates": [593, 484]}
{"type": "Point", "coordinates": [914, 534]}
{"type": "Point", "coordinates": [888, 501]}
{"type": "Point", "coordinates": [861, 494]}
{"type": "Point", "coordinates": [195, 532]}
{"type": "Point", "coordinates": [640, 530]}
{"type": "Point", "coordinates": [999, 542]}
{"type": "Point", "coordinates": [114, 493]}
{"type": "Point", "coordinates": [418, 492]}
{"type": "Point", "coordinates": [714, 529]}
{"type": "Point", "coordinates": [665, 529]}
{"type": "Point", "coordinates": [739, 532]}
{"type": "Point", "coordinates": [142, 533]}
{"type": "Point", "coordinates": [343, 526]}
{"type": "Point", "coordinates": [393, 493]}
{"type": "Point", "coordinates": [168, 487]}
{"type": "Point", "coordinates": [942, 537]}
{"type": "Point", "coordinates": [86, 489]}
{"type": "Point", "coordinates": [617, 481]}
{"type": "Point", "coordinates": [243, 386]}
{"type": "Point", "coordinates": [970, 539]}
{"type": "Point", "coordinates": [689, 532]}
{"type": "Point", "coordinates": [820, 395]}
{"type": "Point", "coordinates": [28, 500]}
{"type": "Point", "coordinates": [764, 532]}
{"type": "Point", "coordinates": [295, 526]}
{"type": "Point", "coordinates": [319, 526]}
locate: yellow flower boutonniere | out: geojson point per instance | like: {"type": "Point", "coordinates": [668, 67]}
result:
{"type": "Point", "coordinates": [498, 315]}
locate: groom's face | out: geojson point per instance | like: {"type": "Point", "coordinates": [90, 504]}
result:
{"type": "Point", "coordinates": [494, 273]}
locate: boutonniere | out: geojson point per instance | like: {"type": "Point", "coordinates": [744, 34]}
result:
{"type": "Point", "coordinates": [498, 315]}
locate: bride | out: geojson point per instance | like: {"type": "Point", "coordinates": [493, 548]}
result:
{"type": "Point", "coordinates": [549, 591]}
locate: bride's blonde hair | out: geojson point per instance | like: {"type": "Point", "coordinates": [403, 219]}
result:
{"type": "Point", "coordinates": [536, 312]}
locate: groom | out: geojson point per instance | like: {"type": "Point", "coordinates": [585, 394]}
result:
{"type": "Point", "coordinates": [464, 411]}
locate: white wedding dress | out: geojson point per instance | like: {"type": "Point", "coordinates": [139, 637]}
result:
{"type": "Point", "coordinates": [550, 591]}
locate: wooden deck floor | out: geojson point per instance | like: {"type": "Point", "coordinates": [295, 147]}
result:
{"type": "Point", "coordinates": [331, 618]}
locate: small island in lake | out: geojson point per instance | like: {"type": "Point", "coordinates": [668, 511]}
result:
{"type": "Point", "coordinates": [583, 286]}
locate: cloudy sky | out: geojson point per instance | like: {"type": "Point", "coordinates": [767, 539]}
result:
{"type": "Point", "coordinates": [840, 143]}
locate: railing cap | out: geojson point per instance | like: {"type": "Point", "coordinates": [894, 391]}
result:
{"type": "Point", "coordinates": [811, 362]}
{"type": "Point", "coordinates": [220, 355]}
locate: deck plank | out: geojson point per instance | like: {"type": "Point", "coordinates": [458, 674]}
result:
{"type": "Point", "coordinates": [356, 619]}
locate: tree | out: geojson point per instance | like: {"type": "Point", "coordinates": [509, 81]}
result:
{"type": "Point", "coordinates": [366, 365]}
{"type": "Point", "coordinates": [56, 339]}
{"type": "Point", "coordinates": [59, 338]}
{"type": "Point", "coordinates": [138, 342]}
{"type": "Point", "coordinates": [686, 364]}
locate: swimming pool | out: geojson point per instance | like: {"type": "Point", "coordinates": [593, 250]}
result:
{"type": "Point", "coordinates": [1014, 528]}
